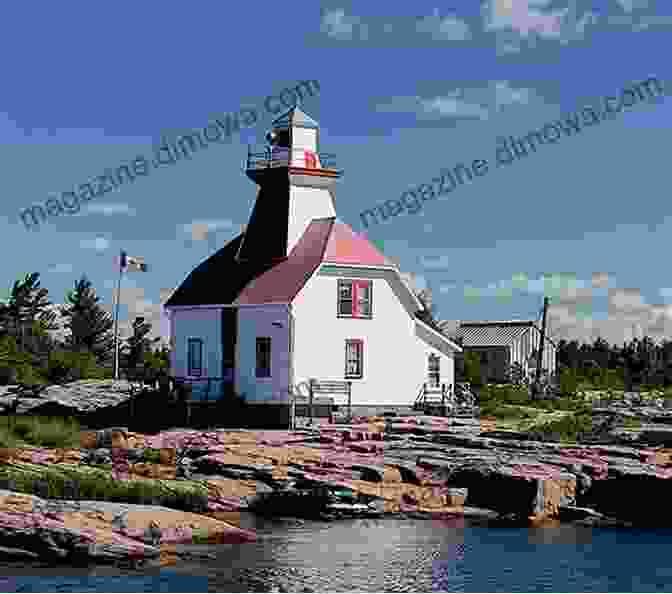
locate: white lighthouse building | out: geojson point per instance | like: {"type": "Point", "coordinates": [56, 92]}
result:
{"type": "Point", "coordinates": [300, 295]}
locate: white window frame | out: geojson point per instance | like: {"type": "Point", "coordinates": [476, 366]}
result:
{"type": "Point", "coordinates": [354, 298]}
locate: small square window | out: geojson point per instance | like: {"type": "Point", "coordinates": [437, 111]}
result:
{"type": "Point", "coordinates": [345, 301]}
{"type": "Point", "coordinates": [354, 298]}
{"type": "Point", "coordinates": [363, 290]}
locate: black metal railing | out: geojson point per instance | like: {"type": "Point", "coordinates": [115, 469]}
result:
{"type": "Point", "coordinates": [280, 157]}
{"type": "Point", "coordinates": [207, 389]}
{"type": "Point", "coordinates": [432, 396]}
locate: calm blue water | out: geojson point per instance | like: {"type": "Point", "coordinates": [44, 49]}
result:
{"type": "Point", "coordinates": [396, 556]}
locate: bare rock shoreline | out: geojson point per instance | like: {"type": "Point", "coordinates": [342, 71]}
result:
{"type": "Point", "coordinates": [420, 467]}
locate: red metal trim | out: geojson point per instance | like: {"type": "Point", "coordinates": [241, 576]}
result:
{"type": "Point", "coordinates": [320, 172]}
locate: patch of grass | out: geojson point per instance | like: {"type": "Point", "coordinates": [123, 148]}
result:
{"type": "Point", "coordinates": [152, 455]}
{"type": "Point", "coordinates": [200, 536]}
{"type": "Point", "coordinates": [50, 432]}
{"type": "Point", "coordinates": [97, 484]}
{"type": "Point", "coordinates": [632, 422]}
{"type": "Point", "coordinates": [501, 411]}
{"type": "Point", "coordinates": [568, 428]}
{"type": "Point", "coordinates": [496, 400]}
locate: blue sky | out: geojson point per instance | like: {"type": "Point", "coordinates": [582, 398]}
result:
{"type": "Point", "coordinates": [405, 91]}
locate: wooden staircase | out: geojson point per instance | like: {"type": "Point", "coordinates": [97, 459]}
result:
{"type": "Point", "coordinates": [434, 400]}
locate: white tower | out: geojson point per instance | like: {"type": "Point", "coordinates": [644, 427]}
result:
{"type": "Point", "coordinates": [296, 185]}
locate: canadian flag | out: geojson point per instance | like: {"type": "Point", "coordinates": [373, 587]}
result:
{"type": "Point", "coordinates": [132, 263]}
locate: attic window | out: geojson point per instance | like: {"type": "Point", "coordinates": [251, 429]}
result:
{"type": "Point", "coordinates": [355, 299]}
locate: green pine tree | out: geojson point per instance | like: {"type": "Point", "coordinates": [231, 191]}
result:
{"type": "Point", "coordinates": [89, 325]}
{"type": "Point", "coordinates": [428, 312]}
{"type": "Point", "coordinates": [27, 316]}
{"type": "Point", "coordinates": [137, 346]}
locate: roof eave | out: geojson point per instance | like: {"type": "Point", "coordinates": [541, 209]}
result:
{"type": "Point", "coordinates": [455, 347]}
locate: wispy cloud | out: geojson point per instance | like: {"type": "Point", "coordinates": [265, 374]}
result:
{"type": "Point", "coordinates": [110, 209]}
{"type": "Point", "coordinates": [518, 22]}
{"type": "Point", "coordinates": [523, 16]}
{"type": "Point", "coordinates": [60, 268]}
{"type": "Point", "coordinates": [639, 22]}
{"type": "Point", "coordinates": [572, 313]}
{"type": "Point", "coordinates": [558, 285]}
{"type": "Point", "coordinates": [98, 244]}
{"type": "Point", "coordinates": [469, 102]}
{"type": "Point", "coordinates": [447, 28]}
{"type": "Point", "coordinates": [337, 25]}
{"type": "Point", "coordinates": [629, 316]}
{"type": "Point", "coordinates": [653, 21]}
{"type": "Point", "coordinates": [631, 5]}
{"type": "Point", "coordinates": [135, 303]}
{"type": "Point", "coordinates": [440, 263]}
{"type": "Point", "coordinates": [202, 230]}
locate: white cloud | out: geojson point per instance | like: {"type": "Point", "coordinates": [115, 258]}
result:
{"type": "Point", "coordinates": [626, 301]}
{"type": "Point", "coordinates": [505, 95]}
{"type": "Point", "coordinates": [61, 268]}
{"type": "Point", "coordinates": [600, 280]}
{"type": "Point", "coordinates": [201, 230]}
{"type": "Point", "coordinates": [449, 106]}
{"type": "Point", "coordinates": [517, 21]}
{"type": "Point", "coordinates": [473, 102]}
{"type": "Point", "coordinates": [98, 244]}
{"type": "Point", "coordinates": [629, 316]}
{"type": "Point", "coordinates": [136, 304]}
{"type": "Point", "coordinates": [110, 209]}
{"type": "Point", "coordinates": [337, 25]}
{"type": "Point", "coordinates": [435, 263]}
{"type": "Point", "coordinates": [651, 21]}
{"type": "Point", "coordinates": [558, 285]}
{"type": "Point", "coordinates": [572, 314]}
{"type": "Point", "coordinates": [524, 17]}
{"type": "Point", "coordinates": [630, 5]}
{"type": "Point", "coordinates": [447, 28]}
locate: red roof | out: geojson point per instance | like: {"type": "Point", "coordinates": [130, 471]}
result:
{"type": "Point", "coordinates": [283, 281]}
{"type": "Point", "coordinates": [222, 279]}
{"type": "Point", "coordinates": [346, 247]}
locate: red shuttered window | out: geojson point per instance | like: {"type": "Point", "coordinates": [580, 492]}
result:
{"type": "Point", "coordinates": [355, 299]}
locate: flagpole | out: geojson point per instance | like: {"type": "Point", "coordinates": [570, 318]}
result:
{"type": "Point", "coordinates": [116, 318]}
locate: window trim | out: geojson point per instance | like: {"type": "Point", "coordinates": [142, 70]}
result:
{"type": "Point", "coordinates": [270, 357]}
{"type": "Point", "coordinates": [203, 369]}
{"type": "Point", "coordinates": [354, 284]}
{"type": "Point", "coordinates": [360, 374]}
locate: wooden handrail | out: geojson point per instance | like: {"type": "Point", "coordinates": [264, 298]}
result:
{"type": "Point", "coordinates": [329, 387]}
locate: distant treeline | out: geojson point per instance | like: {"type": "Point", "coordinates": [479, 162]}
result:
{"type": "Point", "coordinates": [637, 362]}
{"type": "Point", "coordinates": [31, 354]}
